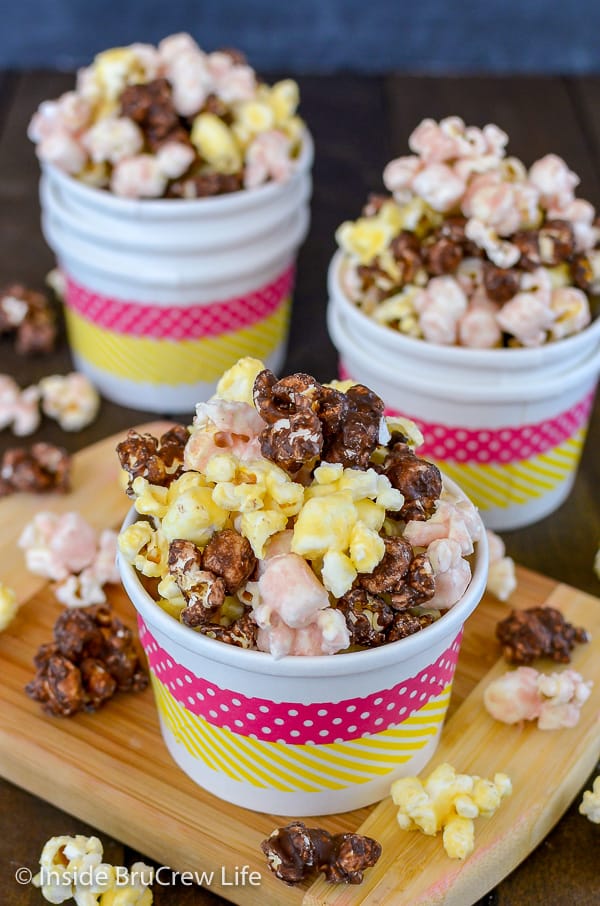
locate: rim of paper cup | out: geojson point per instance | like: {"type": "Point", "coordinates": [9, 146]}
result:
{"type": "Point", "coordinates": [509, 389]}
{"type": "Point", "coordinates": [164, 207]}
{"type": "Point", "coordinates": [341, 664]}
{"type": "Point", "coordinates": [501, 359]}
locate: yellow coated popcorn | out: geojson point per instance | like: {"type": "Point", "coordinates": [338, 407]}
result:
{"type": "Point", "coordinates": [590, 804]}
{"type": "Point", "coordinates": [215, 142]}
{"type": "Point", "coordinates": [258, 526]}
{"type": "Point", "coordinates": [146, 548]}
{"type": "Point", "coordinates": [194, 516]}
{"type": "Point", "coordinates": [283, 99]}
{"type": "Point", "coordinates": [151, 499]}
{"type": "Point", "coordinates": [450, 802]}
{"type": "Point", "coordinates": [340, 520]}
{"type": "Point", "coordinates": [255, 485]}
{"type": "Point", "coordinates": [237, 383]}
{"type": "Point", "coordinates": [8, 606]}
{"type": "Point", "coordinates": [364, 239]}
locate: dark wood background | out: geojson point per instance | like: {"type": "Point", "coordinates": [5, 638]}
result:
{"type": "Point", "coordinates": [358, 124]}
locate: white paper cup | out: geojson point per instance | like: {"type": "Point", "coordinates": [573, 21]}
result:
{"type": "Point", "coordinates": [300, 735]}
{"type": "Point", "coordinates": [513, 443]}
{"type": "Point", "coordinates": [164, 295]}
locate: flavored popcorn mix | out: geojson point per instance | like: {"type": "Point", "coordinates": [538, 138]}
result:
{"type": "Point", "coordinates": [470, 247]}
{"type": "Point", "coordinates": [293, 518]}
{"type": "Point", "coordinates": [171, 121]}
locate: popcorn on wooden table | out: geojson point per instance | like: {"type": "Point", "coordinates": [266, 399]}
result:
{"type": "Point", "coordinates": [449, 802]}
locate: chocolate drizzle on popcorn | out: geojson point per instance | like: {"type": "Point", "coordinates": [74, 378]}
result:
{"type": "Point", "coordinates": [292, 521]}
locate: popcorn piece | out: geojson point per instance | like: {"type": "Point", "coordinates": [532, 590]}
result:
{"type": "Point", "coordinates": [160, 461]}
{"type": "Point", "coordinates": [92, 657]}
{"type": "Point", "coordinates": [72, 400]}
{"type": "Point", "coordinates": [268, 156]}
{"type": "Point", "coordinates": [501, 580]}
{"type": "Point", "coordinates": [590, 804]}
{"type": "Point", "coordinates": [113, 140]}
{"type": "Point", "coordinates": [19, 409]}
{"type": "Point", "coordinates": [174, 158]}
{"type": "Point", "coordinates": [66, 860]}
{"type": "Point", "coordinates": [450, 802]}
{"type": "Point", "coordinates": [139, 176]}
{"type": "Point", "coordinates": [451, 573]}
{"type": "Point", "coordinates": [230, 556]}
{"type": "Point", "coordinates": [58, 545]}
{"type": "Point", "coordinates": [538, 632]}
{"type": "Point", "coordinates": [289, 588]}
{"type": "Point", "coordinates": [295, 852]}
{"type": "Point", "coordinates": [524, 694]}
{"type": "Point", "coordinates": [145, 548]}
{"type": "Point", "coordinates": [8, 606]}
{"type": "Point", "coordinates": [419, 481]}
{"type": "Point", "coordinates": [237, 383]}
{"type": "Point", "coordinates": [215, 143]}
{"type": "Point", "coordinates": [221, 426]}
{"type": "Point", "coordinates": [39, 469]}
{"type": "Point", "coordinates": [367, 617]}
{"type": "Point", "coordinates": [572, 311]}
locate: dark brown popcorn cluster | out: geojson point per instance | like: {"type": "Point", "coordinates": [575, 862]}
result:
{"type": "Point", "coordinates": [29, 317]}
{"type": "Point", "coordinates": [295, 852]}
{"type": "Point", "coordinates": [93, 656]}
{"type": "Point", "coordinates": [160, 461]}
{"type": "Point", "coordinates": [538, 632]}
{"type": "Point", "coordinates": [307, 421]}
{"type": "Point", "coordinates": [204, 578]}
{"type": "Point", "coordinates": [38, 469]}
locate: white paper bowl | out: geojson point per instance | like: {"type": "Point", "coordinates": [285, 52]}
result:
{"type": "Point", "coordinates": [164, 295]}
{"type": "Point", "coordinates": [507, 424]}
{"type": "Point", "coordinates": [300, 735]}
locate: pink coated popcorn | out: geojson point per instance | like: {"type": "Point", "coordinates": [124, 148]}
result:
{"type": "Point", "coordinates": [399, 174]}
{"type": "Point", "coordinates": [19, 409]}
{"type": "Point", "coordinates": [232, 82]}
{"type": "Point", "coordinates": [289, 588]}
{"type": "Point", "coordinates": [327, 634]}
{"type": "Point", "coordinates": [553, 179]}
{"type": "Point", "coordinates": [443, 305]}
{"type": "Point", "coordinates": [58, 545]}
{"type": "Point", "coordinates": [60, 148]}
{"type": "Point", "coordinates": [268, 157]}
{"type": "Point", "coordinates": [191, 82]}
{"type": "Point", "coordinates": [113, 140]}
{"type": "Point", "coordinates": [174, 46]}
{"type": "Point", "coordinates": [527, 317]}
{"type": "Point", "coordinates": [437, 143]}
{"type": "Point", "coordinates": [501, 252]}
{"type": "Point", "coordinates": [87, 588]}
{"type": "Point", "coordinates": [454, 519]}
{"type": "Point", "coordinates": [580, 213]}
{"type": "Point", "coordinates": [502, 580]}
{"type": "Point", "coordinates": [478, 328]}
{"type": "Point", "coordinates": [439, 186]}
{"type": "Point", "coordinates": [223, 426]}
{"type": "Point", "coordinates": [174, 158]}
{"type": "Point", "coordinates": [553, 700]}
{"type": "Point", "coordinates": [495, 206]}
{"type": "Point", "coordinates": [451, 572]}
{"type": "Point", "coordinates": [138, 177]}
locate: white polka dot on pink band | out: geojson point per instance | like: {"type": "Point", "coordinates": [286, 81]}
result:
{"type": "Point", "coordinates": [496, 445]}
{"type": "Point", "coordinates": [293, 722]}
{"type": "Point", "coordinates": [179, 322]}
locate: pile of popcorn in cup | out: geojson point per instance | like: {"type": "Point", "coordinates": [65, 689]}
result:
{"type": "Point", "coordinates": [471, 248]}
{"type": "Point", "coordinates": [296, 519]}
{"type": "Point", "coordinates": [171, 121]}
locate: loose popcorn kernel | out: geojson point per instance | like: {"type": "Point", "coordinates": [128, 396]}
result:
{"type": "Point", "coordinates": [553, 700]}
{"type": "Point", "coordinates": [590, 804]}
{"type": "Point", "coordinates": [72, 400]}
{"type": "Point", "coordinates": [450, 802]}
{"type": "Point", "coordinates": [194, 516]}
{"type": "Point", "coordinates": [8, 606]}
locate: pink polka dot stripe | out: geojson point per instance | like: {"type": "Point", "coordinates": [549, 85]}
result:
{"type": "Point", "coordinates": [293, 722]}
{"type": "Point", "coordinates": [179, 322]}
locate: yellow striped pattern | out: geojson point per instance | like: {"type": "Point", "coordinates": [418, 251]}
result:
{"type": "Point", "coordinates": [505, 484]}
{"type": "Point", "coordinates": [170, 361]}
{"type": "Point", "coordinates": [290, 768]}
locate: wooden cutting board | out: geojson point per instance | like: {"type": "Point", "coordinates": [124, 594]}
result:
{"type": "Point", "coordinates": [111, 768]}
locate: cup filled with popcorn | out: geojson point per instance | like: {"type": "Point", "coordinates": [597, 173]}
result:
{"type": "Point", "coordinates": [175, 194]}
{"type": "Point", "coordinates": [467, 298]}
{"type": "Point", "coordinates": [301, 578]}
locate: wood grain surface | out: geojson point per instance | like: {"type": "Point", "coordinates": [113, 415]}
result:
{"type": "Point", "coordinates": [358, 124]}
